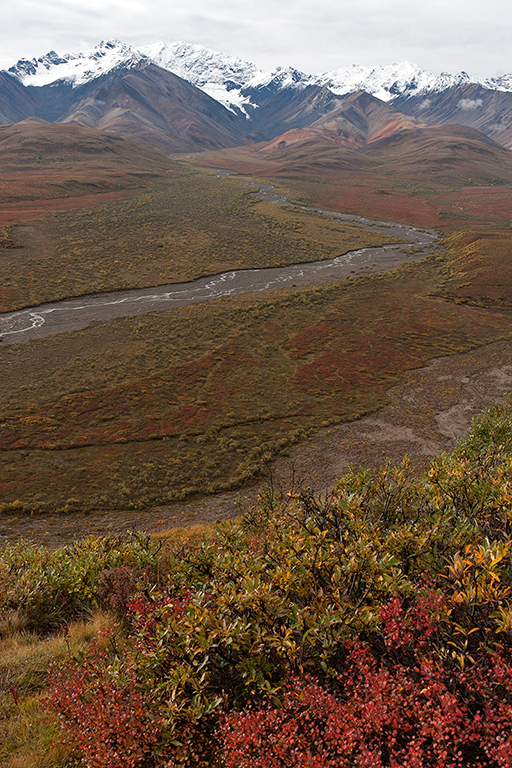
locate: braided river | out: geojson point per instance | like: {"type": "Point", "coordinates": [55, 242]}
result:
{"type": "Point", "coordinates": [77, 313]}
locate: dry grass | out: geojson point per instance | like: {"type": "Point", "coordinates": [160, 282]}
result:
{"type": "Point", "coordinates": [28, 735]}
{"type": "Point", "coordinates": [478, 269]}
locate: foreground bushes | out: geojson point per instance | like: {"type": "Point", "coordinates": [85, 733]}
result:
{"type": "Point", "coordinates": [403, 710]}
{"type": "Point", "coordinates": [370, 628]}
{"type": "Point", "coordinates": [43, 590]}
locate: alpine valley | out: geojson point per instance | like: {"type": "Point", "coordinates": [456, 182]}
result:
{"type": "Point", "coordinates": [141, 176]}
{"type": "Point", "coordinates": [255, 417]}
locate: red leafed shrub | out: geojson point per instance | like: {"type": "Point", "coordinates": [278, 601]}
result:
{"type": "Point", "coordinates": [110, 721]}
{"type": "Point", "coordinates": [384, 717]}
{"type": "Point", "coordinates": [401, 705]}
{"type": "Point", "coordinates": [303, 732]}
{"type": "Point", "coordinates": [414, 627]}
{"type": "Point", "coordinates": [113, 705]}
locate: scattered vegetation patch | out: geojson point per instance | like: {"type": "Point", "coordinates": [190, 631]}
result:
{"type": "Point", "coordinates": [178, 226]}
{"type": "Point", "coordinates": [6, 241]}
{"type": "Point", "coordinates": [477, 270]}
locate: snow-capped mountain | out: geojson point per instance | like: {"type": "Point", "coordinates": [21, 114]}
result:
{"type": "Point", "coordinates": [261, 104]}
{"type": "Point", "coordinates": [219, 75]}
{"type": "Point", "coordinates": [386, 83]}
{"type": "Point", "coordinates": [225, 77]}
{"type": "Point", "coordinates": [78, 68]}
{"type": "Point", "coordinates": [282, 77]}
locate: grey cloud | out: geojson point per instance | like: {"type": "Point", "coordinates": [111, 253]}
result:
{"type": "Point", "coordinates": [314, 37]}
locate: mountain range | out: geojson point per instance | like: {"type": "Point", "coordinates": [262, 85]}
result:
{"type": "Point", "coordinates": [181, 97]}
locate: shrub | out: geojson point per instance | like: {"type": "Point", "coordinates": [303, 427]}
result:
{"type": "Point", "coordinates": [371, 627]}
{"type": "Point", "coordinates": [413, 709]}
{"type": "Point", "coordinates": [47, 589]}
{"type": "Point", "coordinates": [123, 705]}
{"type": "Point", "coordinates": [106, 716]}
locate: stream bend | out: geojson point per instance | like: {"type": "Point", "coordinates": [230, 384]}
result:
{"type": "Point", "coordinates": [76, 314]}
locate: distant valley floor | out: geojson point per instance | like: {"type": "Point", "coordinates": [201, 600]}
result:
{"type": "Point", "coordinates": [426, 414]}
{"type": "Point", "coordinates": [77, 313]}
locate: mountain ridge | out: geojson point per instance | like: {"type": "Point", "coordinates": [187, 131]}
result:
{"type": "Point", "coordinates": [138, 94]}
{"type": "Point", "coordinates": [212, 70]}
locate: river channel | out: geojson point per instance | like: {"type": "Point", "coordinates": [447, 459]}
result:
{"type": "Point", "coordinates": [75, 314]}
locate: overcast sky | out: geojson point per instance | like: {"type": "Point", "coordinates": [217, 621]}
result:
{"type": "Point", "coordinates": [311, 35]}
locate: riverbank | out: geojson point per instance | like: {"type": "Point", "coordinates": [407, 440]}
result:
{"type": "Point", "coordinates": [77, 313]}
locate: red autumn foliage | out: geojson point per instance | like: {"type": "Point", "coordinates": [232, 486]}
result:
{"type": "Point", "coordinates": [108, 705]}
{"type": "Point", "coordinates": [401, 699]}
{"type": "Point", "coordinates": [407, 706]}
{"type": "Point", "coordinates": [111, 722]}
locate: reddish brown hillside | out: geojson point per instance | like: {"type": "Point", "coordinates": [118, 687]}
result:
{"type": "Point", "coordinates": [358, 120]}
{"type": "Point", "coordinates": [34, 140]}
{"type": "Point", "coordinates": [434, 176]}
{"type": "Point", "coordinates": [369, 118]}
{"type": "Point", "coordinates": [44, 167]}
{"type": "Point", "coordinates": [157, 109]}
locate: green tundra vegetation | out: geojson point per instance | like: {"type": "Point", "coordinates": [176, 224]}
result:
{"type": "Point", "coordinates": [370, 627]}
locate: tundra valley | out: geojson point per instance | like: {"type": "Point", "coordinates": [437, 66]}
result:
{"type": "Point", "coordinates": [231, 303]}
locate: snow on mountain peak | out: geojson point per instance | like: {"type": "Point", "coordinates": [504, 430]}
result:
{"type": "Point", "coordinates": [229, 79]}
{"type": "Point", "coordinates": [77, 68]}
{"type": "Point", "coordinates": [388, 82]}
{"type": "Point", "coordinates": [199, 65]}
{"type": "Point", "coordinates": [219, 75]}
{"type": "Point", "coordinates": [282, 77]}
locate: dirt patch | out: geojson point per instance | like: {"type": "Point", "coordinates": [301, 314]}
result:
{"type": "Point", "coordinates": [426, 415]}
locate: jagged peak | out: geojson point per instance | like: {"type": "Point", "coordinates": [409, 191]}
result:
{"type": "Point", "coordinates": [77, 68]}
{"type": "Point", "coordinates": [226, 77]}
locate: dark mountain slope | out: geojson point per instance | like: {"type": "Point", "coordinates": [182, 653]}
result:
{"type": "Point", "coordinates": [157, 109]}
{"type": "Point", "coordinates": [16, 101]}
{"type": "Point", "coordinates": [278, 111]}
{"type": "Point", "coordinates": [147, 105]}
{"type": "Point", "coordinates": [472, 105]}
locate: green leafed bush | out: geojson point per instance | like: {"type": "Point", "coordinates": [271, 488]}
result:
{"type": "Point", "coordinates": [47, 589]}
